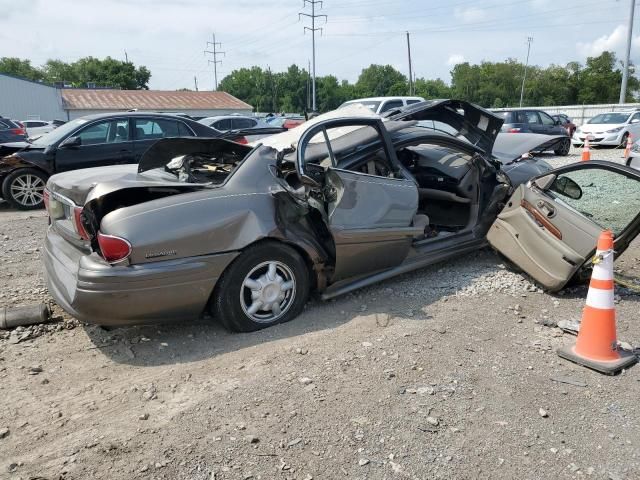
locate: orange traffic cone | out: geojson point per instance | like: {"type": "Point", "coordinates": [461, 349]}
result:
{"type": "Point", "coordinates": [597, 346]}
{"type": "Point", "coordinates": [586, 154]}
{"type": "Point", "coordinates": [627, 149]}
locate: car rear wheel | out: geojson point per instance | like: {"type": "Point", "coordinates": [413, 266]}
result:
{"type": "Point", "coordinates": [24, 188]}
{"type": "Point", "coordinates": [564, 148]}
{"type": "Point", "coordinates": [266, 285]}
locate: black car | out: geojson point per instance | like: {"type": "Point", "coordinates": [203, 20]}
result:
{"type": "Point", "coordinates": [91, 141]}
{"type": "Point", "coordinates": [11, 131]}
{"type": "Point", "coordinates": [534, 121]}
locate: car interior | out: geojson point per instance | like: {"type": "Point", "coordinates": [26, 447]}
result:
{"type": "Point", "coordinates": [447, 182]}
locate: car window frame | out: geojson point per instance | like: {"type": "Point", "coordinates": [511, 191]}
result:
{"type": "Point", "coordinates": [133, 127]}
{"type": "Point", "coordinates": [322, 127]}
{"type": "Point", "coordinates": [541, 115]}
{"type": "Point", "coordinates": [385, 108]}
{"type": "Point", "coordinates": [96, 122]}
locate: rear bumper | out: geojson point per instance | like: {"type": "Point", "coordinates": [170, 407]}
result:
{"type": "Point", "coordinates": [95, 292]}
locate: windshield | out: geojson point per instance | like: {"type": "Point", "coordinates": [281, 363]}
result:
{"type": "Point", "coordinates": [370, 104]}
{"type": "Point", "coordinates": [59, 133]}
{"type": "Point", "coordinates": [610, 118]}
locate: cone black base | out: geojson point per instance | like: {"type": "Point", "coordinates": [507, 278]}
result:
{"type": "Point", "coordinates": [610, 367]}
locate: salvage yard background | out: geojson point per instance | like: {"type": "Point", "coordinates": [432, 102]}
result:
{"type": "Point", "coordinates": [448, 372]}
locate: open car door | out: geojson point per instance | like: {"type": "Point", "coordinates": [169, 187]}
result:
{"type": "Point", "coordinates": [354, 180]}
{"type": "Point", "coordinates": [550, 226]}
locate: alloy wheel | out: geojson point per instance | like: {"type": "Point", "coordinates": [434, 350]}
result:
{"type": "Point", "coordinates": [268, 291]}
{"type": "Point", "coordinates": [27, 190]}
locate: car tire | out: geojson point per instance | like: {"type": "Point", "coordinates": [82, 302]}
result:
{"type": "Point", "coordinates": [564, 149]}
{"type": "Point", "coordinates": [23, 188]}
{"type": "Point", "coordinates": [269, 274]}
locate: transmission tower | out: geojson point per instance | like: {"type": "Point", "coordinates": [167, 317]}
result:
{"type": "Point", "coordinates": [313, 29]}
{"type": "Point", "coordinates": [215, 52]}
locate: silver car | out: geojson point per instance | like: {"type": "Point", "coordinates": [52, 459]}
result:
{"type": "Point", "coordinates": [245, 233]}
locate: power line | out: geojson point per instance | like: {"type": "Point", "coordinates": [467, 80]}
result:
{"type": "Point", "coordinates": [215, 52]}
{"type": "Point", "coordinates": [313, 30]}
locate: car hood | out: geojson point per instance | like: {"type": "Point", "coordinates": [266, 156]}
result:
{"type": "Point", "coordinates": [12, 147]}
{"type": "Point", "coordinates": [478, 126]}
{"type": "Point", "coordinates": [509, 147]}
{"type": "Point", "coordinates": [599, 127]}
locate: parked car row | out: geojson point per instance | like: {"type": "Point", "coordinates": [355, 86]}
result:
{"type": "Point", "coordinates": [91, 141]}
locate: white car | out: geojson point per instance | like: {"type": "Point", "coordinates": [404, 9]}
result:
{"type": "Point", "coordinates": [37, 128]}
{"type": "Point", "coordinates": [612, 128]}
{"type": "Point", "coordinates": [383, 104]}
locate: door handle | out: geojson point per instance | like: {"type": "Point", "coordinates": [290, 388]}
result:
{"type": "Point", "coordinates": [546, 209]}
{"type": "Point", "coordinates": [541, 219]}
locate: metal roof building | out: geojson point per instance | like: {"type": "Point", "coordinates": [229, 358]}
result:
{"type": "Point", "coordinates": [23, 99]}
{"type": "Point", "coordinates": [80, 102]}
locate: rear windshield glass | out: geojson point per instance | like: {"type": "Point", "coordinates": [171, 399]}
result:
{"type": "Point", "coordinates": [610, 118]}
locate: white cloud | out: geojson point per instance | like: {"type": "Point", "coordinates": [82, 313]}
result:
{"type": "Point", "coordinates": [471, 14]}
{"type": "Point", "coordinates": [455, 59]}
{"type": "Point", "coordinates": [615, 41]}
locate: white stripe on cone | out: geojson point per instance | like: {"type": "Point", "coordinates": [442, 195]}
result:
{"type": "Point", "coordinates": [602, 299]}
{"type": "Point", "coordinates": [604, 269]}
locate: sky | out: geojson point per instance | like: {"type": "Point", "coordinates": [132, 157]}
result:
{"type": "Point", "coordinates": [169, 36]}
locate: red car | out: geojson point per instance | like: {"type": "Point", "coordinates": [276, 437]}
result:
{"type": "Point", "coordinates": [566, 122]}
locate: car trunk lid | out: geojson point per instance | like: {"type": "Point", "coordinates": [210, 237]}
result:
{"type": "Point", "coordinates": [478, 126]}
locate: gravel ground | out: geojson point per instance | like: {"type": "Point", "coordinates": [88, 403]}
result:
{"type": "Point", "coordinates": [448, 372]}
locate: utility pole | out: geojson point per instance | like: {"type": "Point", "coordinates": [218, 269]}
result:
{"type": "Point", "coordinates": [215, 52]}
{"type": "Point", "coordinates": [313, 30]}
{"type": "Point", "coordinates": [625, 73]}
{"type": "Point", "coordinates": [195, 82]}
{"type": "Point", "coordinates": [410, 67]}
{"type": "Point", "coordinates": [126, 57]}
{"type": "Point", "coordinates": [526, 65]}
{"type": "Point", "coordinates": [308, 85]}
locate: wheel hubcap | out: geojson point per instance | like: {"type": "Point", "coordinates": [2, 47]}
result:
{"type": "Point", "coordinates": [268, 291]}
{"type": "Point", "coordinates": [28, 190]}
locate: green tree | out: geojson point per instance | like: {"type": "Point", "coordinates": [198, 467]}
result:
{"type": "Point", "coordinates": [381, 80]}
{"type": "Point", "coordinates": [19, 68]}
{"type": "Point", "coordinates": [432, 88]}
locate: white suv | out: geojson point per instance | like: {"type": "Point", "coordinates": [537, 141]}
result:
{"type": "Point", "coordinates": [383, 104]}
{"type": "Point", "coordinates": [612, 128]}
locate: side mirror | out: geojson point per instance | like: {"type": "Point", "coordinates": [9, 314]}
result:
{"type": "Point", "coordinates": [635, 120]}
{"type": "Point", "coordinates": [74, 141]}
{"type": "Point", "coordinates": [567, 187]}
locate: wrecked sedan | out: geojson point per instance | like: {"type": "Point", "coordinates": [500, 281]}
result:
{"type": "Point", "coordinates": [245, 233]}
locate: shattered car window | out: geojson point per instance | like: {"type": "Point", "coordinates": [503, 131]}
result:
{"type": "Point", "coordinates": [608, 198]}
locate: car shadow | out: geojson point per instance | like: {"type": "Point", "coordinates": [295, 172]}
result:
{"type": "Point", "coordinates": [413, 293]}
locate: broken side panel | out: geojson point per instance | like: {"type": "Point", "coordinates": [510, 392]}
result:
{"type": "Point", "coordinates": [371, 221]}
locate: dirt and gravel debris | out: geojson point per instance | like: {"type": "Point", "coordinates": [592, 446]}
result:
{"type": "Point", "coordinates": [448, 372]}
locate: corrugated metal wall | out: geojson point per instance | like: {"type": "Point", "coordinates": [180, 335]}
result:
{"type": "Point", "coordinates": [581, 113]}
{"type": "Point", "coordinates": [24, 100]}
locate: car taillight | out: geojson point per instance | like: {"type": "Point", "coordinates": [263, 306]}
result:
{"type": "Point", "coordinates": [242, 140]}
{"type": "Point", "coordinates": [77, 223]}
{"type": "Point", "coordinates": [113, 249]}
{"type": "Point", "coordinates": [18, 131]}
{"type": "Point", "coordinates": [514, 130]}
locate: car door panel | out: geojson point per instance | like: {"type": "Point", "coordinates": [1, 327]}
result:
{"type": "Point", "coordinates": [370, 219]}
{"type": "Point", "coordinates": [522, 235]}
{"type": "Point", "coordinates": [550, 236]}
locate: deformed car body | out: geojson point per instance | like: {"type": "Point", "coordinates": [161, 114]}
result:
{"type": "Point", "coordinates": [246, 232]}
